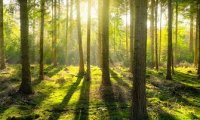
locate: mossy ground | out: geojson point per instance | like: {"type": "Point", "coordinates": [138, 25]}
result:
{"type": "Point", "coordinates": [66, 96]}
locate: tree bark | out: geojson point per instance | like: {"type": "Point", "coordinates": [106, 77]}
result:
{"type": "Point", "coordinates": [198, 27]}
{"type": "Point", "coordinates": [132, 32]}
{"type": "Point", "coordinates": [54, 45]}
{"type": "Point", "coordinates": [41, 77]}
{"type": "Point", "coordinates": [156, 35]}
{"type": "Point", "coordinates": [99, 50]}
{"type": "Point", "coordinates": [2, 56]}
{"type": "Point", "coordinates": [67, 25]}
{"type": "Point", "coordinates": [191, 32]}
{"type": "Point", "coordinates": [160, 43]}
{"type": "Point", "coordinates": [81, 61]}
{"type": "Point", "coordinates": [25, 87]}
{"type": "Point", "coordinates": [88, 41]}
{"type": "Point", "coordinates": [169, 56]}
{"type": "Point", "coordinates": [105, 43]}
{"type": "Point", "coordinates": [152, 18]}
{"type": "Point", "coordinates": [139, 108]}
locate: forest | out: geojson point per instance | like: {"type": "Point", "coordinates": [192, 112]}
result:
{"type": "Point", "coordinates": [99, 59]}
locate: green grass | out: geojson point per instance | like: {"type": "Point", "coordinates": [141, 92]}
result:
{"type": "Point", "coordinates": [66, 96]}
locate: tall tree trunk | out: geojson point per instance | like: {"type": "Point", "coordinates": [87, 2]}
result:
{"type": "Point", "coordinates": [55, 35]}
{"type": "Point", "coordinates": [42, 40]}
{"type": "Point", "coordinates": [99, 50]}
{"type": "Point", "coordinates": [25, 86]}
{"type": "Point", "coordinates": [81, 61]}
{"type": "Point", "coordinates": [152, 18]}
{"type": "Point", "coordinates": [105, 43]}
{"type": "Point", "coordinates": [198, 27]}
{"type": "Point", "coordinates": [2, 56]}
{"type": "Point", "coordinates": [176, 35]}
{"type": "Point", "coordinates": [126, 5]}
{"type": "Point", "coordinates": [33, 42]}
{"type": "Point", "coordinates": [169, 56]}
{"type": "Point", "coordinates": [67, 25]}
{"type": "Point", "coordinates": [132, 31]}
{"type": "Point", "coordinates": [156, 35]}
{"type": "Point", "coordinates": [197, 41]}
{"type": "Point", "coordinates": [139, 108]}
{"type": "Point", "coordinates": [191, 32]}
{"type": "Point", "coordinates": [160, 43]}
{"type": "Point", "coordinates": [88, 41]}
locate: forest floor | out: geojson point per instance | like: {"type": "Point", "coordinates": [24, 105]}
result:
{"type": "Point", "coordinates": [64, 95]}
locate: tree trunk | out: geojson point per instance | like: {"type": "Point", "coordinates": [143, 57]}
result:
{"type": "Point", "coordinates": [152, 18]}
{"type": "Point", "coordinates": [160, 43]}
{"type": "Point", "coordinates": [54, 45]}
{"type": "Point", "coordinates": [2, 56]}
{"type": "Point", "coordinates": [81, 61]}
{"type": "Point", "coordinates": [25, 86]}
{"type": "Point", "coordinates": [197, 40]}
{"type": "Point", "coordinates": [42, 40]}
{"type": "Point", "coordinates": [105, 43]}
{"type": "Point", "coordinates": [99, 51]}
{"type": "Point", "coordinates": [67, 25]}
{"type": "Point", "coordinates": [176, 35]}
{"type": "Point", "coordinates": [127, 27]}
{"type": "Point", "coordinates": [169, 56]}
{"type": "Point", "coordinates": [88, 41]}
{"type": "Point", "coordinates": [156, 34]}
{"type": "Point", "coordinates": [191, 32]}
{"type": "Point", "coordinates": [139, 108]}
{"type": "Point", "coordinates": [198, 27]}
{"type": "Point", "coordinates": [132, 32]}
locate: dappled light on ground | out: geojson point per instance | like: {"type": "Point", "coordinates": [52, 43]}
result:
{"type": "Point", "coordinates": [65, 95]}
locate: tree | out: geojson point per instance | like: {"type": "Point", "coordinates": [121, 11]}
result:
{"type": "Point", "coordinates": [152, 18]}
{"type": "Point", "coordinates": [176, 34]}
{"type": "Point", "coordinates": [191, 29]}
{"type": "Point", "coordinates": [105, 43]}
{"type": "Point", "coordinates": [25, 86]}
{"type": "Point", "coordinates": [198, 24]}
{"type": "Point", "coordinates": [81, 61]}
{"type": "Point", "coordinates": [169, 56]}
{"type": "Point", "coordinates": [132, 32]}
{"type": "Point", "coordinates": [88, 76]}
{"type": "Point", "coordinates": [99, 50]}
{"type": "Point", "coordinates": [67, 25]}
{"type": "Point", "coordinates": [139, 111]}
{"type": "Point", "coordinates": [42, 41]}
{"type": "Point", "coordinates": [156, 35]}
{"type": "Point", "coordinates": [2, 59]}
{"type": "Point", "coordinates": [54, 42]}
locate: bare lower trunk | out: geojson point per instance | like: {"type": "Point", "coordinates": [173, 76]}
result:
{"type": "Point", "coordinates": [88, 41]}
{"type": "Point", "coordinates": [42, 40]}
{"type": "Point", "coordinates": [2, 56]}
{"type": "Point", "coordinates": [25, 86]}
{"type": "Point", "coordinates": [81, 62]}
{"type": "Point", "coordinates": [169, 56]}
{"type": "Point", "coordinates": [139, 108]}
{"type": "Point", "coordinates": [105, 43]}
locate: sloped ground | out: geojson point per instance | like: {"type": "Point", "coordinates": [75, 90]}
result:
{"type": "Point", "coordinates": [64, 95]}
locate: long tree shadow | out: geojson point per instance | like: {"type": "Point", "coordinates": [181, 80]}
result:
{"type": "Point", "coordinates": [186, 78]}
{"type": "Point", "coordinates": [109, 100]}
{"type": "Point", "coordinates": [163, 115]}
{"type": "Point", "coordinates": [119, 80]}
{"type": "Point", "coordinates": [56, 111]}
{"type": "Point", "coordinates": [82, 107]}
{"type": "Point", "coordinates": [51, 71]}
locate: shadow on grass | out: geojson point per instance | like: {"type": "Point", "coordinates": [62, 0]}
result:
{"type": "Point", "coordinates": [186, 78]}
{"type": "Point", "coordinates": [119, 80]}
{"type": "Point", "coordinates": [109, 100]}
{"type": "Point", "coordinates": [56, 112]}
{"type": "Point", "coordinates": [82, 107]}
{"type": "Point", "coordinates": [163, 115]}
{"type": "Point", "coordinates": [51, 70]}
